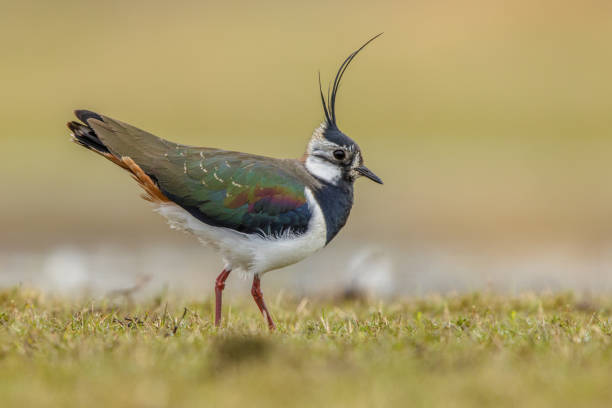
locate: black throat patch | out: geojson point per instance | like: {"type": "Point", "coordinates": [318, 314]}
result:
{"type": "Point", "coordinates": [336, 202]}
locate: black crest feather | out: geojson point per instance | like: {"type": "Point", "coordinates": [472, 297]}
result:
{"type": "Point", "coordinates": [329, 106]}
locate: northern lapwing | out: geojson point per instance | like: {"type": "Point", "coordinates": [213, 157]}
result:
{"type": "Point", "coordinates": [259, 213]}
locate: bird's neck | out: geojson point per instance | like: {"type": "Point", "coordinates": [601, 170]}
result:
{"type": "Point", "coordinates": [336, 201]}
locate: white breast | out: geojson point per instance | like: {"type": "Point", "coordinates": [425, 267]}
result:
{"type": "Point", "coordinates": [252, 253]}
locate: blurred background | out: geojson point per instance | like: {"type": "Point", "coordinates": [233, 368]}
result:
{"type": "Point", "coordinates": [489, 121]}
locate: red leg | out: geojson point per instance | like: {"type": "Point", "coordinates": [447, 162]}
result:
{"type": "Point", "coordinates": [258, 296]}
{"type": "Point", "coordinates": [219, 286]}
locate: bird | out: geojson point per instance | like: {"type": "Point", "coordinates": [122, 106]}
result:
{"type": "Point", "coordinates": [259, 213]}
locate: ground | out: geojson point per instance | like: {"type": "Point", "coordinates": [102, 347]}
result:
{"type": "Point", "coordinates": [470, 350]}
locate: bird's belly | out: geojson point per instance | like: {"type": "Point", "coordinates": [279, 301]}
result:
{"type": "Point", "coordinates": [275, 253]}
{"type": "Point", "coordinates": [252, 253]}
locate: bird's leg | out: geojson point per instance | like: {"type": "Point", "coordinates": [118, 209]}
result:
{"type": "Point", "coordinates": [258, 296]}
{"type": "Point", "coordinates": [219, 286]}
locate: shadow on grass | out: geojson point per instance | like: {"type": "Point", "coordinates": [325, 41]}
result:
{"type": "Point", "coordinates": [234, 350]}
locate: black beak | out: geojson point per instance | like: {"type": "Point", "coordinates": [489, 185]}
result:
{"type": "Point", "coordinates": [364, 171]}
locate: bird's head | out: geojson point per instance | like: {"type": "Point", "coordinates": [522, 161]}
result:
{"type": "Point", "coordinates": [332, 156]}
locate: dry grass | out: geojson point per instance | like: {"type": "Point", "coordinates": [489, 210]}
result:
{"type": "Point", "coordinates": [472, 350]}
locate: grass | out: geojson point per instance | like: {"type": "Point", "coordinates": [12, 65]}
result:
{"type": "Point", "coordinates": [453, 351]}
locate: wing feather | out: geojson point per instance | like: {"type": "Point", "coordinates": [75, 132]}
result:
{"type": "Point", "coordinates": [247, 193]}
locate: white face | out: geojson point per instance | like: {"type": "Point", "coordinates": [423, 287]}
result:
{"type": "Point", "coordinates": [329, 161]}
{"type": "Point", "coordinates": [323, 170]}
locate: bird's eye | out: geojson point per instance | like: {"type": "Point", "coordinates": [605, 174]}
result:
{"type": "Point", "coordinates": [339, 154]}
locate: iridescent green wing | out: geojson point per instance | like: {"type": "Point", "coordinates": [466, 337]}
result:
{"type": "Point", "coordinates": [228, 189]}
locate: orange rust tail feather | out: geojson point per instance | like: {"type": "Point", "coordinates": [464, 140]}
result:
{"type": "Point", "coordinates": [152, 192]}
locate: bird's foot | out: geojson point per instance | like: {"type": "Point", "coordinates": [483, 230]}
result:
{"type": "Point", "coordinates": [259, 300]}
{"type": "Point", "coordinates": [219, 286]}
